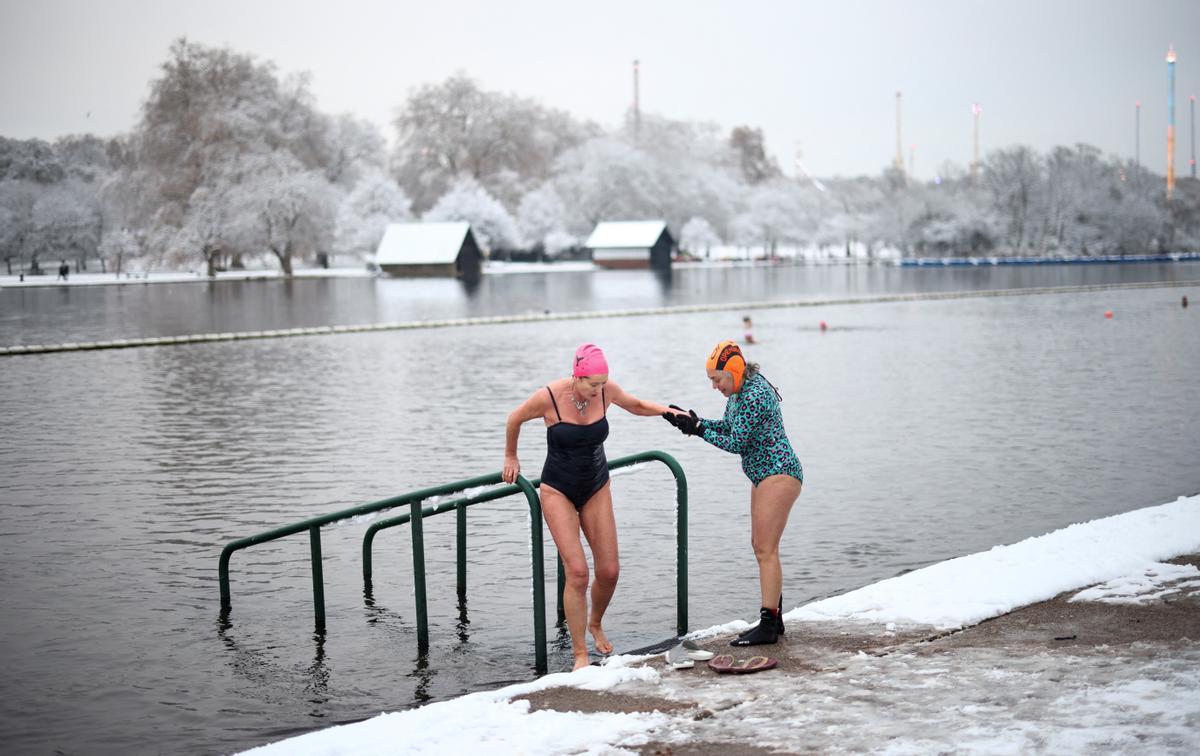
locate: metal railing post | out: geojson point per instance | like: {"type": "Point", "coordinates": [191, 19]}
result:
{"type": "Point", "coordinates": [681, 551]}
{"type": "Point", "coordinates": [418, 555]}
{"type": "Point", "coordinates": [461, 522]}
{"type": "Point", "coordinates": [367, 548]}
{"type": "Point", "coordinates": [223, 577]}
{"type": "Point", "coordinates": [318, 577]}
{"type": "Point", "coordinates": [537, 556]}
{"type": "Point", "coordinates": [562, 584]}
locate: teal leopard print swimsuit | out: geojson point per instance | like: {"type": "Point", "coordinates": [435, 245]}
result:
{"type": "Point", "coordinates": [753, 428]}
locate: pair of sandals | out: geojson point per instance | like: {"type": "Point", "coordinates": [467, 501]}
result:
{"type": "Point", "coordinates": [725, 664]}
{"type": "Point", "coordinates": [687, 653]}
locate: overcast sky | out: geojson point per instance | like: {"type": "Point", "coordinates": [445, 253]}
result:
{"type": "Point", "coordinates": [818, 76]}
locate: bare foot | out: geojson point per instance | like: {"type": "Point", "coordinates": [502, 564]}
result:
{"type": "Point", "coordinates": [602, 644]}
{"type": "Point", "coordinates": [581, 660]}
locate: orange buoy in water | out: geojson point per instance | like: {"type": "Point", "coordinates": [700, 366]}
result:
{"type": "Point", "coordinates": [1108, 314]}
{"type": "Point", "coordinates": [824, 325]}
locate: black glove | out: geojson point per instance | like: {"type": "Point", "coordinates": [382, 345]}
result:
{"type": "Point", "coordinates": [688, 425]}
{"type": "Point", "coordinates": [670, 417]}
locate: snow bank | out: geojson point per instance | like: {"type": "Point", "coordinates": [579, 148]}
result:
{"type": "Point", "coordinates": [489, 720]}
{"type": "Point", "coordinates": [970, 589]}
{"type": "Point", "coordinates": [1155, 581]}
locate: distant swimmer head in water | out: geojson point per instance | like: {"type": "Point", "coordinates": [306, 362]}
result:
{"type": "Point", "coordinates": [726, 368]}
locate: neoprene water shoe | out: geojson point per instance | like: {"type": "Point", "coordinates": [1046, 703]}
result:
{"type": "Point", "coordinates": [762, 633]}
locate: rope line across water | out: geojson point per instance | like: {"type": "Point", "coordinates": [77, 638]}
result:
{"type": "Point", "coordinates": [202, 338]}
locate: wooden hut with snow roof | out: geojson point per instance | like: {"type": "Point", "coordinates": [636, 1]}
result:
{"type": "Point", "coordinates": [632, 244]}
{"type": "Point", "coordinates": [429, 249]}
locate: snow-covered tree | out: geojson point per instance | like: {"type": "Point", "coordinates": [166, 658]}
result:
{"type": "Point", "coordinates": [212, 119]}
{"type": "Point", "coordinates": [453, 129]}
{"type": "Point", "coordinates": [693, 169]}
{"type": "Point", "coordinates": [468, 201]}
{"type": "Point", "coordinates": [697, 236]}
{"type": "Point", "coordinates": [607, 179]}
{"type": "Point", "coordinates": [120, 245]}
{"type": "Point", "coordinates": [66, 223]}
{"type": "Point", "coordinates": [541, 214]}
{"type": "Point", "coordinates": [85, 157]}
{"type": "Point", "coordinates": [1015, 178]}
{"type": "Point", "coordinates": [17, 198]}
{"type": "Point", "coordinates": [204, 230]}
{"type": "Point", "coordinates": [29, 160]}
{"type": "Point", "coordinates": [130, 200]}
{"type": "Point", "coordinates": [776, 212]}
{"type": "Point", "coordinates": [365, 212]}
{"type": "Point", "coordinates": [1135, 221]}
{"type": "Point", "coordinates": [749, 145]}
{"type": "Point", "coordinates": [356, 150]}
{"type": "Point", "coordinates": [557, 242]}
{"type": "Point", "coordinates": [285, 209]}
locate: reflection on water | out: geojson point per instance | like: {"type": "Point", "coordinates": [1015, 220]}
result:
{"type": "Point", "coordinates": [927, 430]}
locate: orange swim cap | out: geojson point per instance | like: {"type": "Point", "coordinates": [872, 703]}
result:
{"type": "Point", "coordinates": [728, 356]}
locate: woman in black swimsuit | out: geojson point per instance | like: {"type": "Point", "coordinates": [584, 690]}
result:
{"type": "Point", "coordinates": [575, 491]}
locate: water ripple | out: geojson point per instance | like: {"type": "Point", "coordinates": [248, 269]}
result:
{"type": "Point", "coordinates": [927, 431]}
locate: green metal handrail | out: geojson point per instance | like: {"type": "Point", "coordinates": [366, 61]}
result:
{"type": "Point", "coordinates": [415, 518]}
{"type": "Point", "coordinates": [681, 610]}
{"type": "Point", "coordinates": [413, 499]}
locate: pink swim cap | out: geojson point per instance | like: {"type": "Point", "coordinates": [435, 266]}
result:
{"type": "Point", "coordinates": [589, 360]}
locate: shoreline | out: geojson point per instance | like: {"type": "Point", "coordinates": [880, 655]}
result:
{"type": "Point", "coordinates": [502, 267]}
{"type": "Point", "coordinates": [151, 341]}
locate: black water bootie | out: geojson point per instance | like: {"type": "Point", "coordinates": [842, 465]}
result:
{"type": "Point", "coordinates": [762, 633]}
{"type": "Point", "coordinates": [779, 629]}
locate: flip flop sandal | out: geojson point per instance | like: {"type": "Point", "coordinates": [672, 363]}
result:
{"type": "Point", "coordinates": [726, 664]}
{"type": "Point", "coordinates": [755, 664]}
{"type": "Point", "coordinates": [695, 652]}
{"type": "Point", "coordinates": [721, 664]}
{"type": "Point", "coordinates": [678, 658]}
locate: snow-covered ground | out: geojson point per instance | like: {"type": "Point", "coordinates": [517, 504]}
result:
{"type": "Point", "coordinates": [108, 279]}
{"type": "Point", "coordinates": [974, 699]}
{"type": "Point", "coordinates": [502, 267]}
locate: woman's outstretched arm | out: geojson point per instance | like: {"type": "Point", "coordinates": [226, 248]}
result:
{"type": "Point", "coordinates": [633, 405]}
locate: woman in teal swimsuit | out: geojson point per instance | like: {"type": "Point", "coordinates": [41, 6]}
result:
{"type": "Point", "coordinates": [753, 428]}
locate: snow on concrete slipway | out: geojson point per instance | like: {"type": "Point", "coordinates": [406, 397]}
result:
{"type": "Point", "coordinates": [973, 698]}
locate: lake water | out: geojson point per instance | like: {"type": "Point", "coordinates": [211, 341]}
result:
{"type": "Point", "coordinates": [927, 429]}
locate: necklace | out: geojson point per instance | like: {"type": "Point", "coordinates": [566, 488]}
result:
{"type": "Point", "coordinates": [581, 406]}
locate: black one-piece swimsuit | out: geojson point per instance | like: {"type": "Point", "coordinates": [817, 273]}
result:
{"type": "Point", "coordinates": [575, 462]}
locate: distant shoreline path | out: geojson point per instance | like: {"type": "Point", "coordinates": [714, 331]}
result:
{"type": "Point", "coordinates": [152, 341]}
